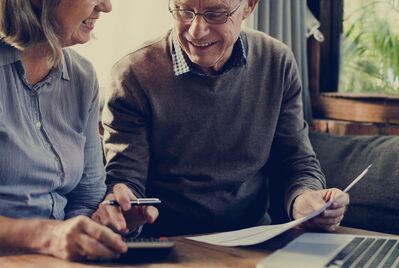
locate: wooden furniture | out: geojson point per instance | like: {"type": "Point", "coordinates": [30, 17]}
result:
{"type": "Point", "coordinates": [356, 114]}
{"type": "Point", "coordinates": [186, 253]}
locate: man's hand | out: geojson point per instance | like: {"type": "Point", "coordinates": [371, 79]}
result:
{"type": "Point", "coordinates": [80, 238]}
{"type": "Point", "coordinates": [124, 217]}
{"type": "Point", "coordinates": [310, 201]}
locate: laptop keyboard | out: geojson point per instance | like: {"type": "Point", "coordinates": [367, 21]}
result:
{"type": "Point", "coordinates": [368, 253]}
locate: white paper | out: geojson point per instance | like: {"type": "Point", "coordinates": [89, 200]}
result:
{"type": "Point", "coordinates": [253, 235]}
{"type": "Point", "coordinates": [259, 234]}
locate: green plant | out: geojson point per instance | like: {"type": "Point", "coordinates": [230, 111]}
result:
{"type": "Point", "coordinates": [370, 51]}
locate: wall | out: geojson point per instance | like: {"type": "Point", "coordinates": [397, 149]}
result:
{"type": "Point", "coordinates": [130, 23]}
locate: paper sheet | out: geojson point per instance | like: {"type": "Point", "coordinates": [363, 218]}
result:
{"type": "Point", "coordinates": [259, 234]}
{"type": "Point", "coordinates": [253, 235]}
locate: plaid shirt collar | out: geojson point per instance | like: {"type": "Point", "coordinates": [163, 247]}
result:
{"type": "Point", "coordinates": [182, 65]}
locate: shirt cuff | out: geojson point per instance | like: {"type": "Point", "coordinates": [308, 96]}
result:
{"type": "Point", "coordinates": [83, 211]}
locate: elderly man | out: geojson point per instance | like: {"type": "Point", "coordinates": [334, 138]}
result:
{"type": "Point", "coordinates": [199, 118]}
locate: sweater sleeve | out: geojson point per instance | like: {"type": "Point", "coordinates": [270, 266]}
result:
{"type": "Point", "coordinates": [292, 153]}
{"type": "Point", "coordinates": [126, 126]}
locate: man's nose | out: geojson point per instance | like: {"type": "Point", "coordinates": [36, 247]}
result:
{"type": "Point", "coordinates": [199, 28]}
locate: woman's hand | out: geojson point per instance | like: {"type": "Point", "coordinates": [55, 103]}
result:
{"type": "Point", "coordinates": [81, 238]}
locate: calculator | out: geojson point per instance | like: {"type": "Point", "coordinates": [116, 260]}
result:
{"type": "Point", "coordinates": [149, 242]}
{"type": "Point", "coordinates": [147, 248]}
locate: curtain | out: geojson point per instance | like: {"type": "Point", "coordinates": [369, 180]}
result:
{"type": "Point", "coordinates": [285, 20]}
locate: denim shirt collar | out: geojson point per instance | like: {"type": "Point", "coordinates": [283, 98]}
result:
{"type": "Point", "coordinates": [9, 55]}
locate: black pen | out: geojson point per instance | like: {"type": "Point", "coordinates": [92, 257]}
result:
{"type": "Point", "coordinates": [137, 202]}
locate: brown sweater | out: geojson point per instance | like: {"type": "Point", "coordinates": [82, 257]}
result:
{"type": "Point", "coordinates": [204, 145]}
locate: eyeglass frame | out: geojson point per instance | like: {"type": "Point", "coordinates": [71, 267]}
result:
{"type": "Point", "coordinates": [203, 14]}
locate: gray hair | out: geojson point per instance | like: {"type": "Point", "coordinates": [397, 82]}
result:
{"type": "Point", "coordinates": [23, 24]}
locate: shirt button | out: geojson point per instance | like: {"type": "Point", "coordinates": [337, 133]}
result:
{"type": "Point", "coordinates": [38, 124]}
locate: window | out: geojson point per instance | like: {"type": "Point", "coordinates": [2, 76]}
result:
{"type": "Point", "coordinates": [369, 59]}
{"type": "Point", "coordinates": [354, 73]}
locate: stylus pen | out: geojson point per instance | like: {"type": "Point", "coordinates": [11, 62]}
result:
{"type": "Point", "coordinates": [137, 202]}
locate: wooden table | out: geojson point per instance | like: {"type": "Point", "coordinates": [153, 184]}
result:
{"type": "Point", "coordinates": [186, 253]}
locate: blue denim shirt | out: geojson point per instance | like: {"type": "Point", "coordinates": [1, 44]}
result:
{"type": "Point", "coordinates": [50, 151]}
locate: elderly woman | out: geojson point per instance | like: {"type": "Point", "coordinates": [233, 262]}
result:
{"type": "Point", "coordinates": [51, 160]}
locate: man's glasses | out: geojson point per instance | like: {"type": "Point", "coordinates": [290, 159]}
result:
{"type": "Point", "coordinates": [211, 17]}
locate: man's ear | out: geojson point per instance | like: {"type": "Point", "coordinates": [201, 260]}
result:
{"type": "Point", "coordinates": [249, 7]}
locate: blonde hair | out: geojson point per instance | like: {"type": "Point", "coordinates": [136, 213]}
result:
{"type": "Point", "coordinates": [23, 24]}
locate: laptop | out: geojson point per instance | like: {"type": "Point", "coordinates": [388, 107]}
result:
{"type": "Point", "coordinates": [311, 250]}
